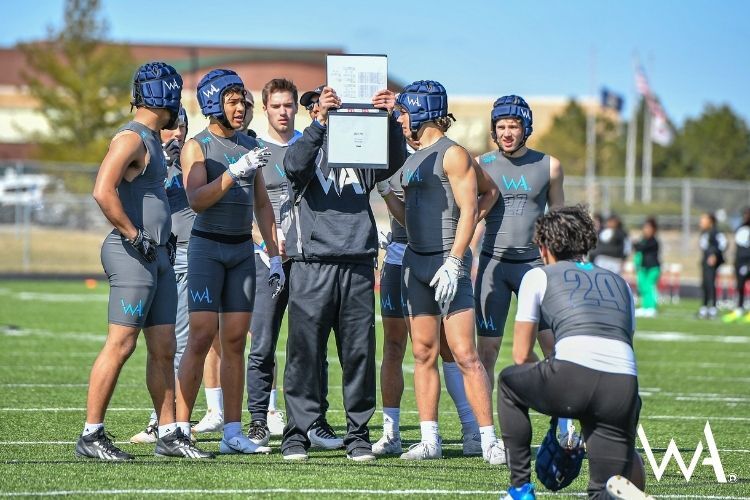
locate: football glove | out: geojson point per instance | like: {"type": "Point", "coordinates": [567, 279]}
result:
{"type": "Point", "coordinates": [172, 248]}
{"type": "Point", "coordinates": [445, 281]}
{"type": "Point", "coordinates": [248, 163]}
{"type": "Point", "coordinates": [384, 187]}
{"type": "Point", "coordinates": [171, 151]}
{"type": "Point", "coordinates": [277, 278]}
{"type": "Point", "coordinates": [144, 244]}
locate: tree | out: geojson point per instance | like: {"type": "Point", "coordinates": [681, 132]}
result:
{"type": "Point", "coordinates": [715, 145]}
{"type": "Point", "coordinates": [566, 140]}
{"type": "Point", "coordinates": [82, 84]}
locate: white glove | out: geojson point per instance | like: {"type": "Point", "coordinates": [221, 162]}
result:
{"type": "Point", "coordinates": [384, 187]}
{"type": "Point", "coordinates": [249, 162]}
{"type": "Point", "coordinates": [445, 281]}
{"type": "Point", "coordinates": [277, 277]}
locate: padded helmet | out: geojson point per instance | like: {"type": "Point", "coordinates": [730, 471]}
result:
{"type": "Point", "coordinates": [158, 85]}
{"type": "Point", "coordinates": [424, 100]}
{"type": "Point", "coordinates": [515, 107]}
{"type": "Point", "coordinates": [558, 466]}
{"type": "Point", "coordinates": [211, 90]}
{"type": "Point", "coordinates": [182, 118]}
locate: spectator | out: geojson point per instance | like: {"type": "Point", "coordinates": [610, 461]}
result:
{"type": "Point", "coordinates": [647, 268]}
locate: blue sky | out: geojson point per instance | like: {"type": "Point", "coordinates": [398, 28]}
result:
{"type": "Point", "coordinates": [695, 52]}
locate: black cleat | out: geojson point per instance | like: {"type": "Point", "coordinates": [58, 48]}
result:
{"type": "Point", "coordinates": [259, 433]}
{"type": "Point", "coordinates": [177, 444]}
{"type": "Point", "coordinates": [99, 445]}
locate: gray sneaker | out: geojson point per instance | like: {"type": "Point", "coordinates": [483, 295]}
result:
{"type": "Point", "coordinates": [388, 445]}
{"type": "Point", "coordinates": [99, 445]}
{"type": "Point", "coordinates": [424, 451]}
{"type": "Point", "coordinates": [322, 435]}
{"type": "Point", "coordinates": [177, 444]}
{"type": "Point", "coordinates": [361, 455]}
{"type": "Point", "coordinates": [472, 445]}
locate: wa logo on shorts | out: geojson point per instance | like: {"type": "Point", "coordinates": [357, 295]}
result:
{"type": "Point", "coordinates": [132, 310]}
{"type": "Point", "coordinates": [672, 451]}
{"type": "Point", "coordinates": [200, 295]}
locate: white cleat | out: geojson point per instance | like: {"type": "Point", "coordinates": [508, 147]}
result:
{"type": "Point", "coordinates": [472, 445]}
{"type": "Point", "coordinates": [212, 421]}
{"type": "Point", "coordinates": [388, 445]}
{"type": "Point", "coordinates": [495, 453]}
{"type": "Point", "coordinates": [423, 451]}
{"type": "Point", "coordinates": [620, 488]}
{"type": "Point", "coordinates": [241, 444]}
{"type": "Point", "coordinates": [275, 422]}
{"type": "Point", "coordinates": [147, 436]}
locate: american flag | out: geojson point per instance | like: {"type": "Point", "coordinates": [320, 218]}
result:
{"type": "Point", "coordinates": [661, 132]}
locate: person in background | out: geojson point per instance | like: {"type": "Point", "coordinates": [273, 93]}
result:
{"type": "Point", "coordinates": [712, 244]}
{"type": "Point", "coordinates": [648, 269]}
{"type": "Point", "coordinates": [741, 270]}
{"type": "Point", "coordinates": [613, 245]}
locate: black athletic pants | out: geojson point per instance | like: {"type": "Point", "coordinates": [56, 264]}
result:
{"type": "Point", "coordinates": [265, 327]}
{"type": "Point", "coordinates": [742, 274]}
{"type": "Point", "coordinates": [709, 285]}
{"type": "Point", "coordinates": [606, 404]}
{"type": "Point", "coordinates": [324, 297]}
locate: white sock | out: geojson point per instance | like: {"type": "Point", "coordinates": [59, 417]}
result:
{"type": "Point", "coordinates": [167, 429]}
{"type": "Point", "coordinates": [91, 428]}
{"type": "Point", "coordinates": [487, 433]}
{"type": "Point", "coordinates": [153, 417]}
{"type": "Point", "coordinates": [232, 429]}
{"type": "Point", "coordinates": [272, 401]}
{"type": "Point", "coordinates": [215, 399]}
{"type": "Point", "coordinates": [563, 425]}
{"type": "Point", "coordinates": [185, 427]}
{"type": "Point", "coordinates": [454, 383]}
{"type": "Point", "coordinates": [391, 417]}
{"type": "Point", "coordinates": [429, 430]}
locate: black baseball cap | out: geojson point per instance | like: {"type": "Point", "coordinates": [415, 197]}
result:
{"type": "Point", "coordinates": [307, 97]}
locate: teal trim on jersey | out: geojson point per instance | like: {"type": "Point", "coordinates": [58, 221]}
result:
{"type": "Point", "coordinates": [586, 266]}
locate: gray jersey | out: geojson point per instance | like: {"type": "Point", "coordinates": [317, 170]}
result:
{"type": "Point", "coordinates": [398, 232]}
{"type": "Point", "coordinates": [275, 179]}
{"type": "Point", "coordinates": [583, 299]}
{"type": "Point", "coordinates": [233, 213]}
{"type": "Point", "coordinates": [144, 199]}
{"type": "Point", "coordinates": [523, 184]}
{"type": "Point", "coordinates": [431, 210]}
{"type": "Point", "coordinates": [182, 215]}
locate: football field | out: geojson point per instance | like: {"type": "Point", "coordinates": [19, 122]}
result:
{"type": "Point", "coordinates": [691, 372]}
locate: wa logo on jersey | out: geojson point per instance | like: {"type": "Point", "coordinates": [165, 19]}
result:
{"type": "Point", "coordinates": [211, 91]}
{"type": "Point", "coordinates": [130, 309]}
{"type": "Point", "coordinates": [673, 451]}
{"type": "Point", "coordinates": [346, 176]}
{"type": "Point", "coordinates": [516, 185]}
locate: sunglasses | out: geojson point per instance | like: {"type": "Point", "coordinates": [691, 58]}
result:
{"type": "Point", "coordinates": [310, 106]}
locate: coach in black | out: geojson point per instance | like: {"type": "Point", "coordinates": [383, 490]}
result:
{"type": "Point", "coordinates": [333, 244]}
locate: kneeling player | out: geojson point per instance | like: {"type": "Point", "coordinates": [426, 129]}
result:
{"type": "Point", "coordinates": [592, 376]}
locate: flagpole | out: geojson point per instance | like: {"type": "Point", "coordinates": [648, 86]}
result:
{"type": "Point", "coordinates": [630, 150]}
{"type": "Point", "coordinates": [591, 139]}
{"type": "Point", "coordinates": [647, 156]}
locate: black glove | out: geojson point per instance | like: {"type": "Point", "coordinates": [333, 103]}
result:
{"type": "Point", "coordinates": [172, 151]}
{"type": "Point", "coordinates": [145, 244]}
{"type": "Point", "coordinates": [172, 248]}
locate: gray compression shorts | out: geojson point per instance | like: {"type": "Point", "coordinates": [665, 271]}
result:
{"type": "Point", "coordinates": [391, 300]}
{"type": "Point", "coordinates": [496, 280]}
{"type": "Point", "coordinates": [141, 294]}
{"type": "Point", "coordinates": [416, 274]}
{"type": "Point", "coordinates": [221, 276]}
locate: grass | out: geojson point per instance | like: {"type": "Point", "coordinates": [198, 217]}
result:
{"type": "Point", "coordinates": [50, 333]}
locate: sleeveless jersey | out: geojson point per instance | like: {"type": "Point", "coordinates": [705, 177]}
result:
{"type": "Point", "coordinates": [274, 176]}
{"type": "Point", "coordinates": [583, 299]}
{"type": "Point", "coordinates": [233, 213]}
{"type": "Point", "coordinates": [431, 210]}
{"type": "Point", "coordinates": [144, 199]}
{"type": "Point", "coordinates": [523, 184]}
